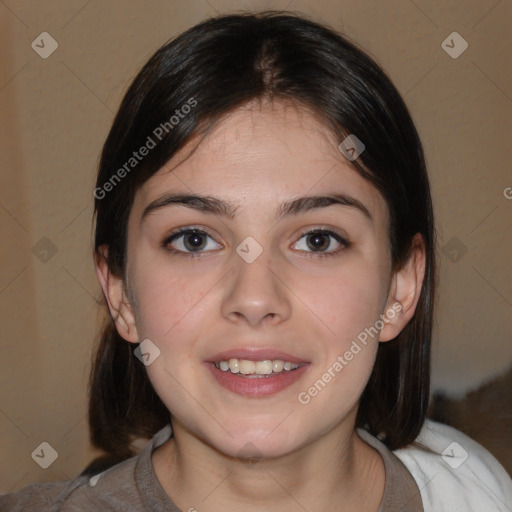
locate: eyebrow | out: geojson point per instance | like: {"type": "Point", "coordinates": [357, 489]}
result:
{"type": "Point", "coordinates": [216, 206]}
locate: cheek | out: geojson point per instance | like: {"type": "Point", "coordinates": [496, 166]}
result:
{"type": "Point", "coordinates": [349, 305]}
{"type": "Point", "coordinates": [170, 304]}
{"type": "Point", "coordinates": [172, 310]}
{"type": "Point", "coordinates": [348, 301]}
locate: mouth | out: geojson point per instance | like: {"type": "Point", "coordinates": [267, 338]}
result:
{"type": "Point", "coordinates": [256, 369]}
{"type": "Point", "coordinates": [256, 373]}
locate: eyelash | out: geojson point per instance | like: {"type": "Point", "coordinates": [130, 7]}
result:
{"type": "Point", "coordinates": [189, 230]}
{"type": "Point", "coordinates": [344, 243]}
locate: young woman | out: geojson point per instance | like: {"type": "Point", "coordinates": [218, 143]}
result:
{"type": "Point", "coordinates": [265, 245]}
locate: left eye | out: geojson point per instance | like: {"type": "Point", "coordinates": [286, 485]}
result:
{"type": "Point", "coordinates": [319, 241]}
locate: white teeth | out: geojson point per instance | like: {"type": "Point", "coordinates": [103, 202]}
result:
{"type": "Point", "coordinates": [277, 365]}
{"type": "Point", "coordinates": [264, 367]}
{"type": "Point", "coordinates": [234, 366]}
{"type": "Point", "coordinates": [246, 367]}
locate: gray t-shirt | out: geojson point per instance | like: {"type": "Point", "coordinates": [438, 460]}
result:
{"type": "Point", "coordinates": [132, 486]}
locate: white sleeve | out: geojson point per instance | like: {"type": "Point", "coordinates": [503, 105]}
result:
{"type": "Point", "coordinates": [461, 477]}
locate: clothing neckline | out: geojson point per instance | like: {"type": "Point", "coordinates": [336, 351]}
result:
{"type": "Point", "coordinates": [397, 477]}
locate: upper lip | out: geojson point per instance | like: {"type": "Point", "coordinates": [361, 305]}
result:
{"type": "Point", "coordinates": [255, 354]}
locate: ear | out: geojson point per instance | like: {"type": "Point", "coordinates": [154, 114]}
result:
{"type": "Point", "coordinates": [114, 291]}
{"type": "Point", "coordinates": [404, 291]}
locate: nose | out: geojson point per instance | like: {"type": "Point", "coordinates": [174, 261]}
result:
{"type": "Point", "coordinates": [256, 293]}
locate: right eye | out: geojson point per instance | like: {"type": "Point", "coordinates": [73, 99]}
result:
{"type": "Point", "coordinates": [188, 241]}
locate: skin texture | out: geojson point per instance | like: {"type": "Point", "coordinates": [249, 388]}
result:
{"type": "Point", "coordinates": [290, 298]}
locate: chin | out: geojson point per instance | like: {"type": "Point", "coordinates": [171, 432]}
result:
{"type": "Point", "coordinates": [247, 443]}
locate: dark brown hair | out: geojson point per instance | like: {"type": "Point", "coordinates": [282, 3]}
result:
{"type": "Point", "coordinates": [221, 64]}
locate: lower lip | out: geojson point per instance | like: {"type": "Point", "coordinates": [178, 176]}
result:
{"type": "Point", "coordinates": [258, 386]}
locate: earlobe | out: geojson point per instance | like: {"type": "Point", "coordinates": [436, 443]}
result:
{"type": "Point", "coordinates": [114, 292]}
{"type": "Point", "coordinates": [405, 291]}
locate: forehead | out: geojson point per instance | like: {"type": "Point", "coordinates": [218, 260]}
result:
{"type": "Point", "coordinates": [259, 155]}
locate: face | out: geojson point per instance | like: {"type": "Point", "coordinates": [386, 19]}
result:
{"type": "Point", "coordinates": [256, 272]}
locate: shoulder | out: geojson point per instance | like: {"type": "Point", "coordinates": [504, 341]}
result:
{"type": "Point", "coordinates": [107, 491]}
{"type": "Point", "coordinates": [454, 472]}
{"type": "Point", "coordinates": [120, 487]}
{"type": "Point", "coordinates": [43, 497]}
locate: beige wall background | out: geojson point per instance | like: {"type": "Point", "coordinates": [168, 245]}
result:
{"type": "Point", "coordinates": [56, 113]}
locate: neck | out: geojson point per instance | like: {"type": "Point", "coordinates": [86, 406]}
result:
{"type": "Point", "coordinates": [335, 469]}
